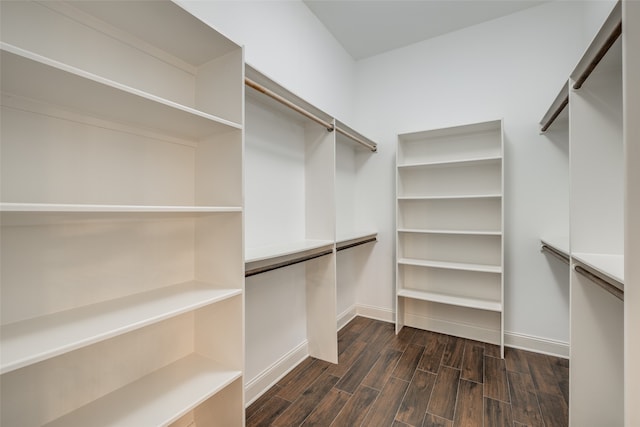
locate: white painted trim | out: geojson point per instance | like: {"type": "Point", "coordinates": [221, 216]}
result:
{"type": "Point", "coordinates": [511, 339]}
{"type": "Point", "coordinates": [537, 344]}
{"type": "Point", "coordinates": [378, 313]}
{"type": "Point", "coordinates": [458, 329]}
{"type": "Point", "coordinates": [255, 387]}
{"type": "Point", "coordinates": [346, 316]}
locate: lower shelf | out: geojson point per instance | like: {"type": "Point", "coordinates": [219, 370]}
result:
{"type": "Point", "coordinates": [157, 399]}
{"type": "Point", "coordinates": [34, 340]}
{"type": "Point", "coordinates": [451, 265]}
{"type": "Point", "coordinates": [476, 303]}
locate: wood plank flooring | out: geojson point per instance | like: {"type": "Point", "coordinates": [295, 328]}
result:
{"type": "Point", "coordinates": [419, 379]}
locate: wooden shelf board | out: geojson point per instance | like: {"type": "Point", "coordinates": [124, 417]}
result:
{"type": "Point", "coordinates": [451, 265]}
{"type": "Point", "coordinates": [34, 340]}
{"type": "Point", "coordinates": [480, 304]}
{"type": "Point", "coordinates": [263, 253]}
{"type": "Point", "coordinates": [448, 163]}
{"type": "Point", "coordinates": [460, 232]}
{"type": "Point", "coordinates": [32, 76]}
{"type": "Point", "coordinates": [157, 399]}
{"type": "Point", "coordinates": [611, 266]}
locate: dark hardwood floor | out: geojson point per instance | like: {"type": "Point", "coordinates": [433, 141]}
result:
{"type": "Point", "coordinates": [417, 378]}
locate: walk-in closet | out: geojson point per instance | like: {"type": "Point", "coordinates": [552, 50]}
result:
{"type": "Point", "coordinates": [306, 212]}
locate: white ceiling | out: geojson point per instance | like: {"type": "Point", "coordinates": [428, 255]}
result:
{"type": "Point", "coordinates": [369, 27]}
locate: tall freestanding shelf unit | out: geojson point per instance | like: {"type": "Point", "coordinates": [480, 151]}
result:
{"type": "Point", "coordinates": [122, 217]}
{"type": "Point", "coordinates": [449, 275]}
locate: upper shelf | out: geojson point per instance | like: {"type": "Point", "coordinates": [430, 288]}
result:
{"type": "Point", "coordinates": [47, 213]}
{"type": "Point", "coordinates": [610, 266]}
{"type": "Point", "coordinates": [349, 240]}
{"type": "Point", "coordinates": [273, 252]}
{"type": "Point", "coordinates": [33, 340]}
{"type": "Point", "coordinates": [556, 108]}
{"type": "Point", "coordinates": [292, 105]}
{"type": "Point", "coordinates": [190, 40]}
{"type": "Point", "coordinates": [31, 76]}
{"type": "Point", "coordinates": [559, 243]}
{"type": "Point", "coordinates": [597, 49]}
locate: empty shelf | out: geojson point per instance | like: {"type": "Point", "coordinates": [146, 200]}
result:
{"type": "Point", "coordinates": [354, 238]}
{"type": "Point", "coordinates": [34, 340]}
{"type": "Point", "coordinates": [32, 76]}
{"type": "Point", "coordinates": [480, 304]}
{"type": "Point", "coordinates": [263, 253]}
{"type": "Point", "coordinates": [157, 399]}
{"type": "Point", "coordinates": [460, 232]}
{"type": "Point", "coordinates": [451, 265]}
{"type": "Point", "coordinates": [452, 197]}
{"type": "Point", "coordinates": [610, 266]}
{"type": "Point", "coordinates": [457, 162]}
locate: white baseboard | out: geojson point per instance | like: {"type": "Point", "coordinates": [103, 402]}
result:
{"type": "Point", "coordinates": [458, 329]}
{"type": "Point", "coordinates": [511, 339]}
{"type": "Point", "coordinates": [537, 344]}
{"type": "Point", "coordinates": [378, 313]}
{"type": "Point", "coordinates": [266, 379]}
{"type": "Point", "coordinates": [346, 316]}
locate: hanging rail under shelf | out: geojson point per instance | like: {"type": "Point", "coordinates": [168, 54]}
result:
{"type": "Point", "coordinates": [329, 126]}
{"type": "Point", "coordinates": [360, 141]}
{"type": "Point", "coordinates": [361, 242]}
{"type": "Point", "coordinates": [288, 103]}
{"type": "Point", "coordinates": [553, 114]}
{"type": "Point", "coordinates": [611, 30]}
{"type": "Point", "coordinates": [287, 263]}
{"type": "Point", "coordinates": [612, 289]}
{"type": "Point", "coordinates": [553, 251]}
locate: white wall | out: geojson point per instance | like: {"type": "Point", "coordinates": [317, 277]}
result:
{"type": "Point", "coordinates": [285, 41]}
{"type": "Point", "coordinates": [512, 68]}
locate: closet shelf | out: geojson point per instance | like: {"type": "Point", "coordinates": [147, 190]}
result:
{"type": "Point", "coordinates": [460, 232]}
{"type": "Point", "coordinates": [97, 208]}
{"type": "Point", "coordinates": [452, 197]}
{"type": "Point", "coordinates": [354, 237]}
{"type": "Point", "coordinates": [33, 340]}
{"type": "Point", "coordinates": [611, 266]}
{"type": "Point", "coordinates": [29, 75]}
{"type": "Point", "coordinates": [451, 265]}
{"type": "Point", "coordinates": [272, 252]}
{"type": "Point", "coordinates": [559, 243]}
{"type": "Point", "coordinates": [477, 303]}
{"type": "Point", "coordinates": [453, 162]}
{"type": "Point", "coordinates": [157, 399]}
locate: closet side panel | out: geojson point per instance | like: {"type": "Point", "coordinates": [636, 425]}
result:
{"type": "Point", "coordinates": [631, 71]}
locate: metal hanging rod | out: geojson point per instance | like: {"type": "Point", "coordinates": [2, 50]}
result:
{"type": "Point", "coordinates": [612, 289]}
{"type": "Point", "coordinates": [362, 242]}
{"type": "Point", "coordinates": [288, 103]}
{"type": "Point", "coordinates": [371, 147]}
{"type": "Point", "coordinates": [555, 253]}
{"type": "Point", "coordinates": [554, 115]}
{"type": "Point", "coordinates": [287, 263]}
{"type": "Point", "coordinates": [602, 51]}
{"type": "Point", "coordinates": [329, 126]}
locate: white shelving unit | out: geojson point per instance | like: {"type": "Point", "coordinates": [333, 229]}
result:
{"type": "Point", "coordinates": [597, 232]}
{"type": "Point", "coordinates": [301, 212]}
{"type": "Point", "coordinates": [122, 217]}
{"type": "Point", "coordinates": [449, 231]}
